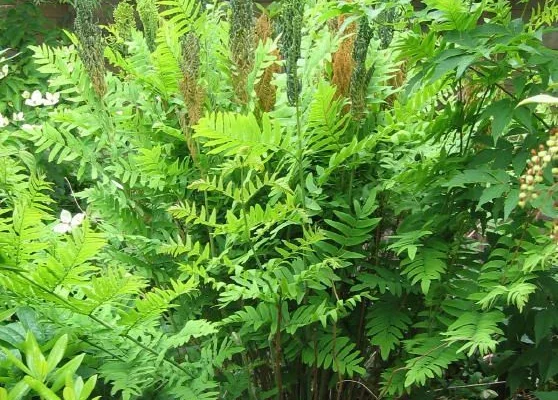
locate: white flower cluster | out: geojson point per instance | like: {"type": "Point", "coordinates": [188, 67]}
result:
{"type": "Point", "coordinates": [16, 117]}
{"type": "Point", "coordinates": [4, 71]}
{"type": "Point", "coordinates": [67, 222]}
{"type": "Point", "coordinates": [4, 121]}
{"type": "Point", "coordinates": [36, 98]}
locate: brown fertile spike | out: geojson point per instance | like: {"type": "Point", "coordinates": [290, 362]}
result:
{"type": "Point", "coordinates": [192, 92]}
{"type": "Point", "coordinates": [265, 90]}
{"type": "Point", "coordinates": [241, 42]}
{"type": "Point", "coordinates": [342, 60]}
{"type": "Point", "coordinates": [263, 28]}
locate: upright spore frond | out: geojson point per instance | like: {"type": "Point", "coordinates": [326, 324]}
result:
{"type": "Point", "coordinates": [91, 45]}
{"type": "Point", "coordinates": [265, 90]}
{"type": "Point", "coordinates": [291, 20]}
{"type": "Point", "coordinates": [149, 16]}
{"type": "Point", "coordinates": [342, 60]}
{"type": "Point", "coordinates": [385, 28]}
{"type": "Point", "coordinates": [124, 19]}
{"type": "Point", "coordinates": [361, 76]}
{"type": "Point", "coordinates": [241, 41]}
{"type": "Point", "coordinates": [192, 91]}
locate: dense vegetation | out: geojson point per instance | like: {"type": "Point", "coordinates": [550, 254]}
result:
{"type": "Point", "coordinates": [319, 200]}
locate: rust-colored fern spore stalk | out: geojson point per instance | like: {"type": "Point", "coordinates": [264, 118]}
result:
{"type": "Point", "coordinates": [265, 90]}
{"type": "Point", "coordinates": [361, 76]}
{"type": "Point", "coordinates": [342, 59]}
{"type": "Point", "coordinates": [241, 41]}
{"type": "Point", "coordinates": [91, 46]}
{"type": "Point", "coordinates": [291, 27]}
{"type": "Point", "coordinates": [192, 92]}
{"type": "Point", "coordinates": [149, 16]}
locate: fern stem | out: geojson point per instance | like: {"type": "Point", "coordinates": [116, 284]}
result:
{"type": "Point", "coordinates": [245, 217]}
{"type": "Point", "coordinates": [361, 384]}
{"type": "Point", "coordinates": [300, 156]}
{"type": "Point", "coordinates": [209, 229]}
{"type": "Point", "coordinates": [278, 351]}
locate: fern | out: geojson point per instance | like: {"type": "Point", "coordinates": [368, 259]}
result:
{"type": "Point", "coordinates": [338, 353]}
{"type": "Point", "coordinates": [386, 326]}
{"type": "Point", "coordinates": [432, 357]}
{"type": "Point", "coordinates": [426, 266]}
{"type": "Point", "coordinates": [477, 329]}
{"type": "Point", "coordinates": [232, 134]}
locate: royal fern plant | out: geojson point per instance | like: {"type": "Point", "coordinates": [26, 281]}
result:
{"type": "Point", "coordinates": [237, 220]}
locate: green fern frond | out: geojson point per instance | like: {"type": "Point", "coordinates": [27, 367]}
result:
{"type": "Point", "coordinates": [433, 356]}
{"type": "Point", "coordinates": [325, 125]}
{"type": "Point", "coordinates": [386, 324]}
{"type": "Point", "coordinates": [181, 13]}
{"type": "Point", "coordinates": [69, 263]}
{"type": "Point", "coordinates": [231, 134]}
{"type": "Point", "coordinates": [477, 330]}
{"type": "Point", "coordinates": [155, 303]}
{"type": "Point", "coordinates": [545, 14]}
{"type": "Point", "coordinates": [426, 266]}
{"type": "Point", "coordinates": [338, 353]}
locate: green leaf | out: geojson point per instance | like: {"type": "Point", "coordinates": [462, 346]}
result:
{"type": "Point", "coordinates": [6, 314]}
{"type": "Point", "coordinates": [16, 361]}
{"type": "Point", "coordinates": [492, 192]}
{"type": "Point", "coordinates": [547, 395]}
{"type": "Point", "coordinates": [19, 391]}
{"type": "Point", "coordinates": [40, 388]}
{"type": "Point", "coordinates": [545, 320]}
{"type": "Point", "coordinates": [311, 185]}
{"type": "Point", "coordinates": [34, 358]}
{"type": "Point", "coordinates": [56, 353]}
{"type": "Point", "coordinates": [470, 176]}
{"type": "Point", "coordinates": [511, 202]}
{"type": "Point", "coordinates": [88, 388]}
{"type": "Point", "coordinates": [539, 99]}
{"type": "Point", "coordinates": [68, 369]}
{"type": "Point", "coordinates": [501, 112]}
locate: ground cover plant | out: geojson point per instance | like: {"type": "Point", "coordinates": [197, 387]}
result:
{"type": "Point", "coordinates": [316, 200]}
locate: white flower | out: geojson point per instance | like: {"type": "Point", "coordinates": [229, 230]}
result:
{"type": "Point", "coordinates": [51, 99]}
{"type": "Point", "coordinates": [4, 71]}
{"type": "Point", "coordinates": [28, 127]}
{"type": "Point", "coordinates": [26, 95]}
{"type": "Point", "coordinates": [18, 116]}
{"type": "Point", "coordinates": [4, 121]}
{"type": "Point", "coordinates": [67, 222]}
{"type": "Point", "coordinates": [35, 100]}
